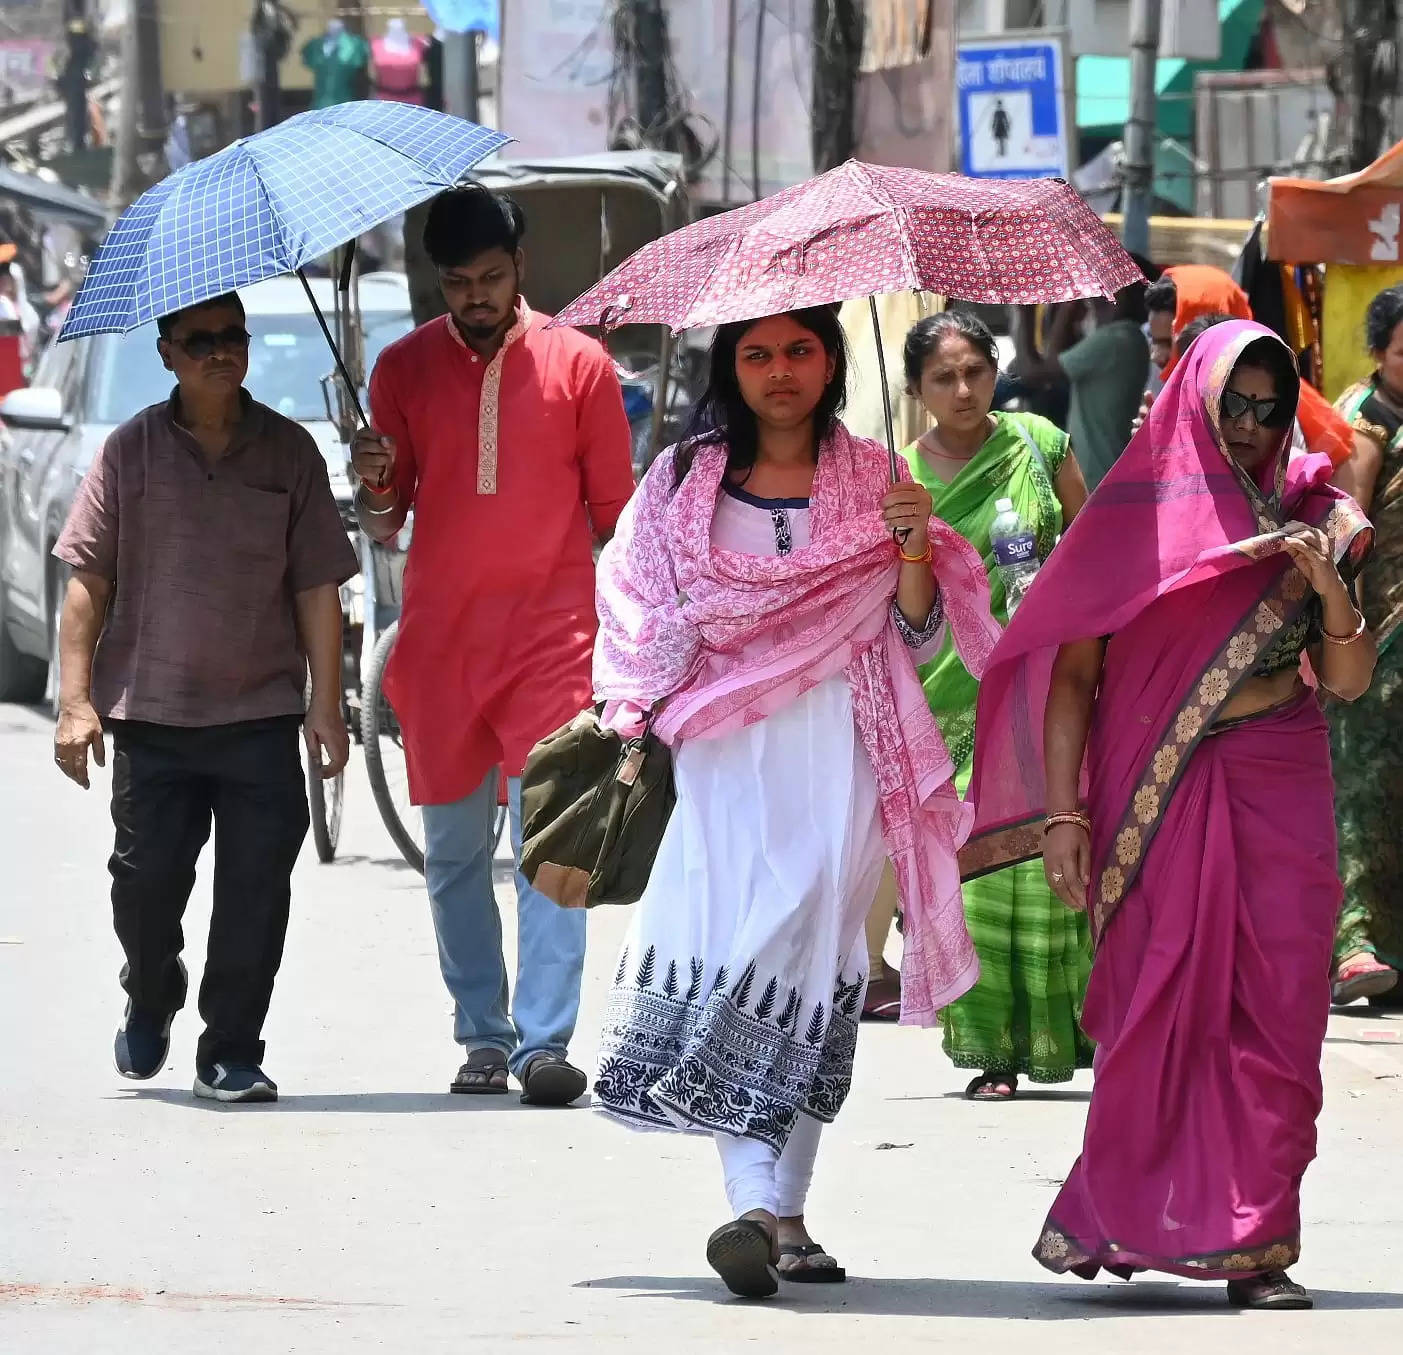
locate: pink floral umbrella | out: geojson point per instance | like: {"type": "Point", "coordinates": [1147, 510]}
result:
{"type": "Point", "coordinates": [863, 230]}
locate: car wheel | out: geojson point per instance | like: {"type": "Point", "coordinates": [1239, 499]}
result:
{"type": "Point", "coordinates": [21, 674]}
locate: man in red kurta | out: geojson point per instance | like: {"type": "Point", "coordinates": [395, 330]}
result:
{"type": "Point", "coordinates": [510, 443]}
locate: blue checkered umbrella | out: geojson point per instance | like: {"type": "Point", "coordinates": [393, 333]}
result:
{"type": "Point", "coordinates": [270, 204]}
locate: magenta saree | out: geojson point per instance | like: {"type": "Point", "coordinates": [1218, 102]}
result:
{"type": "Point", "coordinates": [1214, 887]}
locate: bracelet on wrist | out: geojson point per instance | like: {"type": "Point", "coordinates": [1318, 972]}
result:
{"type": "Point", "coordinates": [370, 508]}
{"type": "Point", "coordinates": [1351, 637]}
{"type": "Point", "coordinates": [923, 559]}
{"type": "Point", "coordinates": [1074, 818]}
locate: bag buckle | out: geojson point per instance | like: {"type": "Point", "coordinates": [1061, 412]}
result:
{"type": "Point", "coordinates": [631, 765]}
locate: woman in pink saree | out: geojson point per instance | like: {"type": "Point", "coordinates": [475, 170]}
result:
{"type": "Point", "coordinates": [1181, 790]}
{"type": "Point", "coordinates": [754, 601]}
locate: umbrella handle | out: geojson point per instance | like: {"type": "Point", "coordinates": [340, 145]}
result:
{"type": "Point", "coordinates": [901, 533]}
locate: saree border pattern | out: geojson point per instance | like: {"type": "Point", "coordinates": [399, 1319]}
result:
{"type": "Point", "coordinates": [1281, 605]}
{"type": "Point", "coordinates": [742, 1058]}
{"type": "Point", "coordinates": [1060, 1251]}
{"type": "Point", "coordinates": [1008, 846]}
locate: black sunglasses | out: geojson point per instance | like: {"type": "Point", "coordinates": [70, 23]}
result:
{"type": "Point", "coordinates": [1235, 406]}
{"type": "Point", "coordinates": [204, 343]}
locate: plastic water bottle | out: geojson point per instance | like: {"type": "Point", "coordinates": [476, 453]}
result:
{"type": "Point", "coordinates": [1015, 553]}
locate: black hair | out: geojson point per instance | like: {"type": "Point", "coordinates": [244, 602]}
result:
{"type": "Point", "coordinates": [1130, 303]}
{"type": "Point", "coordinates": [924, 337]}
{"type": "Point", "coordinates": [1185, 337]}
{"type": "Point", "coordinates": [722, 414]}
{"type": "Point", "coordinates": [467, 221]}
{"type": "Point", "coordinates": [1384, 315]}
{"type": "Point", "coordinates": [1271, 355]}
{"type": "Point", "coordinates": [1162, 295]}
{"type": "Point", "coordinates": [165, 325]}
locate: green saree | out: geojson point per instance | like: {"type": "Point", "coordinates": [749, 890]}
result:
{"type": "Point", "coordinates": [1366, 737]}
{"type": "Point", "coordinates": [1023, 1016]}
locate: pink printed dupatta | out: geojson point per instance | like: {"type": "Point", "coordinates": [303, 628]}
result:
{"type": "Point", "coordinates": [1177, 558]}
{"type": "Point", "coordinates": [728, 638]}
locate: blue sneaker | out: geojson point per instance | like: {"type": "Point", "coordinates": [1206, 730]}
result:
{"type": "Point", "coordinates": [142, 1043]}
{"type": "Point", "coordinates": [234, 1082]}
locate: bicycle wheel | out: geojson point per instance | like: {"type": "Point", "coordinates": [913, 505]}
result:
{"type": "Point", "coordinates": [325, 799]}
{"type": "Point", "coordinates": [384, 759]}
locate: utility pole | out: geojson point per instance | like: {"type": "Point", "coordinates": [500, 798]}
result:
{"type": "Point", "coordinates": [73, 78]}
{"type": "Point", "coordinates": [838, 33]}
{"type": "Point", "coordinates": [1371, 64]}
{"type": "Point", "coordinates": [1140, 130]}
{"type": "Point", "coordinates": [650, 72]}
{"type": "Point", "coordinates": [141, 129]}
{"type": "Point", "coordinates": [271, 38]}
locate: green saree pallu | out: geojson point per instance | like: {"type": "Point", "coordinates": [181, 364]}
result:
{"type": "Point", "coordinates": [1023, 1016]}
{"type": "Point", "coordinates": [1366, 736]}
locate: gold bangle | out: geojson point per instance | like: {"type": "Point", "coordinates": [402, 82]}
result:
{"type": "Point", "coordinates": [1347, 639]}
{"type": "Point", "coordinates": [917, 559]}
{"type": "Point", "coordinates": [1072, 817]}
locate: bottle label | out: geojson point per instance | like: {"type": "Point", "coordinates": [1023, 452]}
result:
{"type": "Point", "coordinates": [1016, 550]}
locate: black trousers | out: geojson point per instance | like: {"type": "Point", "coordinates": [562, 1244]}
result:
{"type": "Point", "coordinates": [168, 785]}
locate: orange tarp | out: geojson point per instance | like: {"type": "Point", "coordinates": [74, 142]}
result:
{"type": "Point", "coordinates": [1355, 219]}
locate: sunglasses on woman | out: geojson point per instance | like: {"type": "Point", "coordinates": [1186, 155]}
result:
{"type": "Point", "coordinates": [1235, 406]}
{"type": "Point", "coordinates": [205, 343]}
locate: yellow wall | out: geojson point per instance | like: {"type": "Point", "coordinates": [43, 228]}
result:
{"type": "Point", "coordinates": [1348, 291]}
{"type": "Point", "coordinates": [200, 40]}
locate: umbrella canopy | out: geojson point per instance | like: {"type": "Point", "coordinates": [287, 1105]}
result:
{"type": "Point", "coordinates": [860, 230]}
{"type": "Point", "coordinates": [270, 204]}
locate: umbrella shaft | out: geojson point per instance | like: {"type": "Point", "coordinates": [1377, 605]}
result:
{"type": "Point", "coordinates": [336, 352]}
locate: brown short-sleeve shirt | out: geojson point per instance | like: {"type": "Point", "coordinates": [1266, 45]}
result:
{"type": "Point", "coordinates": [204, 561]}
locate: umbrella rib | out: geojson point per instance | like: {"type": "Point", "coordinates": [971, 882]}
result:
{"type": "Point", "coordinates": [874, 186]}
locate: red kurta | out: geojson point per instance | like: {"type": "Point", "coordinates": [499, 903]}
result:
{"type": "Point", "coordinates": [498, 622]}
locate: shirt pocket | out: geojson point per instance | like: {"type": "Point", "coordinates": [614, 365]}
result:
{"type": "Point", "coordinates": [257, 531]}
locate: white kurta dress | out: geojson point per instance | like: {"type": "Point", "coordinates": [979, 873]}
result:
{"type": "Point", "coordinates": [736, 1001]}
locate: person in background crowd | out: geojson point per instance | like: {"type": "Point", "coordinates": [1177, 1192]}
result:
{"type": "Point", "coordinates": [509, 441]}
{"type": "Point", "coordinates": [1183, 298]}
{"type": "Point", "coordinates": [207, 551]}
{"type": "Point", "coordinates": [1182, 294]}
{"type": "Point", "coordinates": [1186, 793]}
{"type": "Point", "coordinates": [755, 589]}
{"type": "Point", "coordinates": [1367, 736]}
{"type": "Point", "coordinates": [1034, 952]}
{"type": "Point", "coordinates": [1106, 369]}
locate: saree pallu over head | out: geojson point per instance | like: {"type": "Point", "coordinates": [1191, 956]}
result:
{"type": "Point", "coordinates": [728, 638]}
{"type": "Point", "coordinates": [1178, 558]}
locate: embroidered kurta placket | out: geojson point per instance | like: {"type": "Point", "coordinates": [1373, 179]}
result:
{"type": "Point", "coordinates": [489, 410]}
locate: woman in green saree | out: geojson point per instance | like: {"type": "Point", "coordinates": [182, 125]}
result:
{"type": "Point", "coordinates": [1367, 737]}
{"type": "Point", "coordinates": [1034, 953]}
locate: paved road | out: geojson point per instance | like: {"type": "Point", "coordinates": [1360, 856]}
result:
{"type": "Point", "coordinates": [369, 1211]}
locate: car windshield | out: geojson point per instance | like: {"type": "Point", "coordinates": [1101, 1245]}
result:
{"type": "Point", "coordinates": [286, 362]}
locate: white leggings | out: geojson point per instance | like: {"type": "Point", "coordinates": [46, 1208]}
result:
{"type": "Point", "coordinates": [759, 1178]}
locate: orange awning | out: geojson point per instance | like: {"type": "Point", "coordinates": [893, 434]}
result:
{"type": "Point", "coordinates": [1355, 219]}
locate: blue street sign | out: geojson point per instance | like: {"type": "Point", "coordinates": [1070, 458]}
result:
{"type": "Point", "coordinates": [1013, 108]}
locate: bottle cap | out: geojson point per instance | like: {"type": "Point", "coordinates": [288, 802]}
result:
{"type": "Point", "coordinates": [1003, 505]}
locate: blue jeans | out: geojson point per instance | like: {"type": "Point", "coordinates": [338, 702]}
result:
{"type": "Point", "coordinates": [550, 939]}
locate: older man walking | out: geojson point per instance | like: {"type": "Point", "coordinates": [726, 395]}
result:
{"type": "Point", "coordinates": [206, 550]}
